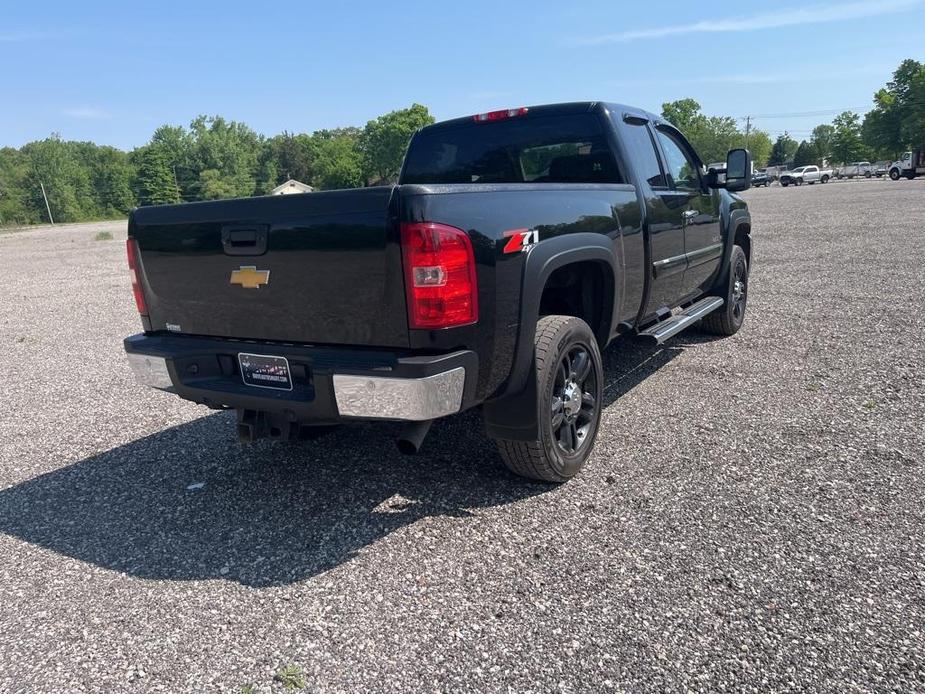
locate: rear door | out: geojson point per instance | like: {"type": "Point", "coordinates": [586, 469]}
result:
{"type": "Point", "coordinates": [664, 216]}
{"type": "Point", "coordinates": [699, 205]}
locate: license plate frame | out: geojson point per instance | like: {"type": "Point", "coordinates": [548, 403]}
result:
{"type": "Point", "coordinates": [265, 371]}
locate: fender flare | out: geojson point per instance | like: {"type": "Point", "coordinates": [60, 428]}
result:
{"type": "Point", "coordinates": [737, 218]}
{"type": "Point", "coordinates": [512, 415]}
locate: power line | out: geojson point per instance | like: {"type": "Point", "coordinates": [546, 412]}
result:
{"type": "Point", "coordinates": [808, 114]}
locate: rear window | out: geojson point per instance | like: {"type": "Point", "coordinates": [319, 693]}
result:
{"type": "Point", "coordinates": [531, 149]}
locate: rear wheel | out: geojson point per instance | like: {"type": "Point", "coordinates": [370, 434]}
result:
{"type": "Point", "coordinates": [729, 318]}
{"type": "Point", "coordinates": [569, 387]}
{"type": "Point", "coordinates": [825, 179]}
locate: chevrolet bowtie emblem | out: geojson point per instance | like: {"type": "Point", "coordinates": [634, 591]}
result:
{"type": "Point", "coordinates": [250, 277]}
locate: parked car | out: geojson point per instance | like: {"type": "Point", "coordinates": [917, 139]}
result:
{"type": "Point", "coordinates": [805, 174]}
{"type": "Point", "coordinates": [910, 165]}
{"type": "Point", "coordinates": [516, 246]}
{"type": "Point", "coordinates": [761, 178]}
{"type": "Point", "coordinates": [881, 168]}
{"type": "Point", "coordinates": [855, 169]}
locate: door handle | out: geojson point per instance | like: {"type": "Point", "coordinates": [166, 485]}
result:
{"type": "Point", "coordinates": [244, 239]}
{"type": "Point", "coordinates": [689, 215]}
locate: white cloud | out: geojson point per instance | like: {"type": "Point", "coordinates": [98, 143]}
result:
{"type": "Point", "coordinates": [86, 112]}
{"type": "Point", "coordinates": [819, 14]}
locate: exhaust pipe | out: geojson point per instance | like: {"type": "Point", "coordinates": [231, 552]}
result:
{"type": "Point", "coordinates": [412, 437]}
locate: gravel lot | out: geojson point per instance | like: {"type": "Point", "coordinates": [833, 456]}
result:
{"type": "Point", "coordinates": [752, 519]}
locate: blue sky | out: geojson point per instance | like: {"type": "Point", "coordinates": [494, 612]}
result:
{"type": "Point", "coordinates": [112, 72]}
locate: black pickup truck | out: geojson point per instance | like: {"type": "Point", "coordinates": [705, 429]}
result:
{"type": "Point", "coordinates": [517, 245]}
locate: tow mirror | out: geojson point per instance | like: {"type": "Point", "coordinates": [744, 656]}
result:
{"type": "Point", "coordinates": [738, 170]}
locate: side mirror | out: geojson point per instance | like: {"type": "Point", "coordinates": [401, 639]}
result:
{"type": "Point", "coordinates": [738, 170]}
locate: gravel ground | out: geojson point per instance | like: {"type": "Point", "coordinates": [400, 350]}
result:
{"type": "Point", "coordinates": [751, 519]}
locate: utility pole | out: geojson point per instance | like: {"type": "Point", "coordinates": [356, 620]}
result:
{"type": "Point", "coordinates": [47, 206]}
{"type": "Point", "coordinates": [748, 127]}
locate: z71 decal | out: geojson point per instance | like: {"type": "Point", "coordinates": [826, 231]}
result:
{"type": "Point", "coordinates": [520, 240]}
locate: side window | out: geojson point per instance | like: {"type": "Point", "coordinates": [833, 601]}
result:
{"type": "Point", "coordinates": [682, 170]}
{"type": "Point", "coordinates": [641, 148]}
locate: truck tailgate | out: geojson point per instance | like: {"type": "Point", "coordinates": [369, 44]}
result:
{"type": "Point", "coordinates": [334, 264]}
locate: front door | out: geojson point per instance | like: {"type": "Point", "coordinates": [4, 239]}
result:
{"type": "Point", "coordinates": [699, 211]}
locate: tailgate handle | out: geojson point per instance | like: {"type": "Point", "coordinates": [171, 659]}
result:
{"type": "Point", "coordinates": [244, 239]}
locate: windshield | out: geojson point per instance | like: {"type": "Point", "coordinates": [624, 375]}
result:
{"type": "Point", "coordinates": [531, 149]}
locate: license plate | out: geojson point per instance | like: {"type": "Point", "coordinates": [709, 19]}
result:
{"type": "Point", "coordinates": [262, 371]}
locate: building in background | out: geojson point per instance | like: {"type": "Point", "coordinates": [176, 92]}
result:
{"type": "Point", "coordinates": [291, 186]}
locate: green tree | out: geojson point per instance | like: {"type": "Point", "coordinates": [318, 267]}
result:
{"type": "Point", "coordinates": [783, 150]}
{"type": "Point", "coordinates": [713, 136]}
{"type": "Point", "coordinates": [804, 155]}
{"type": "Point", "coordinates": [293, 156]}
{"type": "Point", "coordinates": [384, 140]}
{"type": "Point", "coordinates": [225, 153]}
{"type": "Point", "coordinates": [684, 114]}
{"type": "Point", "coordinates": [897, 120]}
{"type": "Point", "coordinates": [111, 175]}
{"type": "Point", "coordinates": [337, 160]}
{"type": "Point", "coordinates": [14, 204]}
{"type": "Point", "coordinates": [176, 143]}
{"type": "Point", "coordinates": [55, 164]}
{"type": "Point", "coordinates": [847, 145]}
{"type": "Point", "coordinates": [822, 139]}
{"type": "Point", "coordinates": [155, 183]}
{"type": "Point", "coordinates": [759, 144]}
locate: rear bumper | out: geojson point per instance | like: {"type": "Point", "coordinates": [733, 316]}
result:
{"type": "Point", "coordinates": [328, 383]}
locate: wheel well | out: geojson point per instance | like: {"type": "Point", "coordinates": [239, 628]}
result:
{"type": "Point", "coordinates": [584, 290]}
{"type": "Point", "coordinates": [743, 238]}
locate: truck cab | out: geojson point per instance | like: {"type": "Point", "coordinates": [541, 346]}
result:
{"type": "Point", "coordinates": [909, 165]}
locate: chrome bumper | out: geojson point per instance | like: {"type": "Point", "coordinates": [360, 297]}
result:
{"type": "Point", "coordinates": [414, 399]}
{"type": "Point", "coordinates": [150, 371]}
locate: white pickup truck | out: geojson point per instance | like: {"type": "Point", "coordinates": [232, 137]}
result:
{"type": "Point", "coordinates": [805, 174]}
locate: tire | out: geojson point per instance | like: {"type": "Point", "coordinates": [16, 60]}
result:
{"type": "Point", "coordinates": [825, 179]}
{"type": "Point", "coordinates": [728, 319]}
{"type": "Point", "coordinates": [867, 174]}
{"type": "Point", "coordinates": [798, 182]}
{"type": "Point", "coordinates": [894, 174]}
{"type": "Point", "coordinates": [785, 183]}
{"type": "Point", "coordinates": [910, 176]}
{"type": "Point", "coordinates": [568, 404]}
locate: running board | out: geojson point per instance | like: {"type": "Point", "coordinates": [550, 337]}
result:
{"type": "Point", "coordinates": [669, 327]}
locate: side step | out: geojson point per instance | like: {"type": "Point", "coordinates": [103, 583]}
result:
{"type": "Point", "coordinates": [669, 327]}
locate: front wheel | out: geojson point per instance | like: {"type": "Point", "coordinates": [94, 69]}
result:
{"type": "Point", "coordinates": [727, 319]}
{"type": "Point", "coordinates": [784, 183]}
{"type": "Point", "coordinates": [894, 174]}
{"type": "Point", "coordinates": [569, 390]}
{"type": "Point", "coordinates": [799, 181]}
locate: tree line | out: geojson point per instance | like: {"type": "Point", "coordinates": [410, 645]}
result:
{"type": "Point", "coordinates": [213, 158]}
{"type": "Point", "coordinates": [216, 158]}
{"type": "Point", "coordinates": [894, 125]}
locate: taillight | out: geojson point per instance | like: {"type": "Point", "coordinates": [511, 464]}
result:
{"type": "Point", "coordinates": [131, 249]}
{"type": "Point", "coordinates": [500, 115]}
{"type": "Point", "coordinates": [439, 275]}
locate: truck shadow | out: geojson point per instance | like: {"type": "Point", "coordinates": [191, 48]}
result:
{"type": "Point", "coordinates": [190, 503]}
